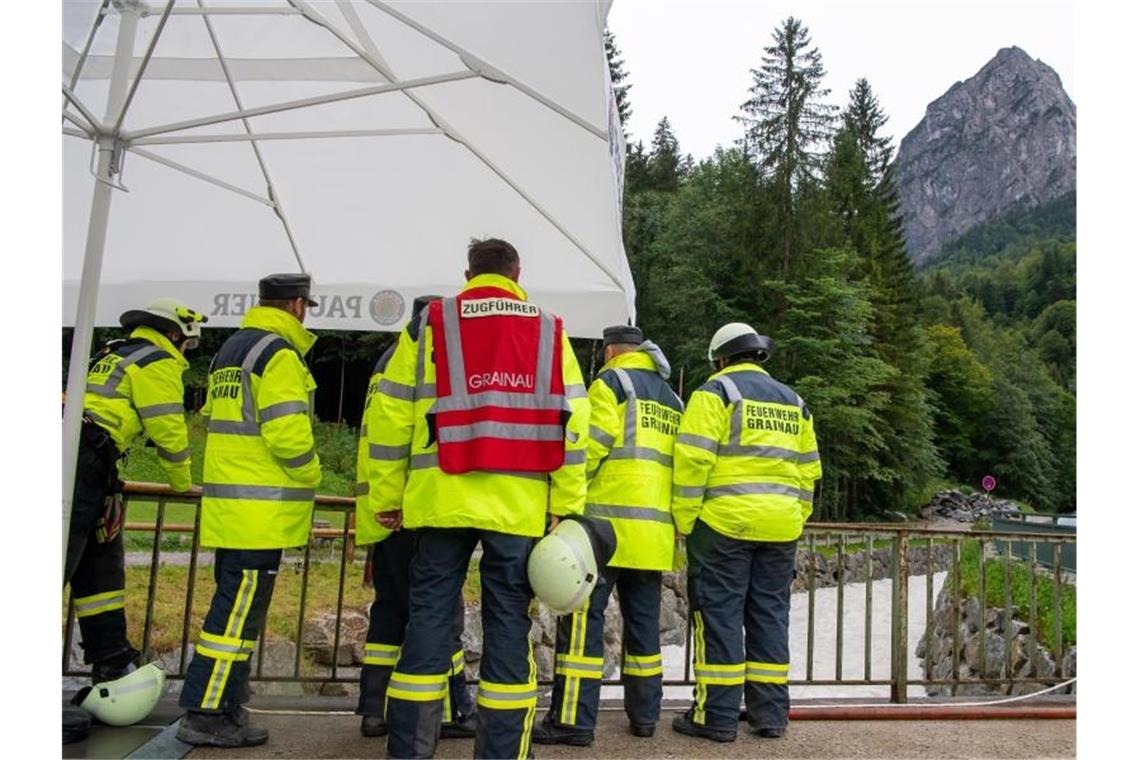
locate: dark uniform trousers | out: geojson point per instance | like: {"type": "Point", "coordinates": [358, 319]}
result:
{"type": "Point", "coordinates": [508, 689]}
{"type": "Point", "coordinates": [387, 622]}
{"type": "Point", "coordinates": [94, 569]}
{"type": "Point", "coordinates": [579, 660]}
{"type": "Point", "coordinates": [737, 585]}
{"type": "Point", "coordinates": [217, 679]}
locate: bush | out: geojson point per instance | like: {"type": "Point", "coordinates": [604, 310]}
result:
{"type": "Point", "coordinates": [1044, 624]}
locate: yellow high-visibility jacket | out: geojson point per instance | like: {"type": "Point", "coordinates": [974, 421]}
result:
{"type": "Point", "coordinates": [745, 461]}
{"type": "Point", "coordinates": [634, 416]}
{"type": "Point", "coordinates": [368, 531]}
{"type": "Point", "coordinates": [403, 469]}
{"type": "Point", "coordinates": [261, 466]}
{"type": "Point", "coordinates": [137, 388]}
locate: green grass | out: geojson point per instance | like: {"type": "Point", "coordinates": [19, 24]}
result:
{"type": "Point", "coordinates": [1044, 625]}
{"type": "Point", "coordinates": [336, 446]}
{"type": "Point", "coordinates": [321, 595]}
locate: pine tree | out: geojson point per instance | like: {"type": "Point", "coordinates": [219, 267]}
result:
{"type": "Point", "coordinates": [787, 121]}
{"type": "Point", "coordinates": [618, 75]}
{"type": "Point", "coordinates": [664, 167]}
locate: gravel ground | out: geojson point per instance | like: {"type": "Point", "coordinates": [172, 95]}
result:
{"type": "Point", "coordinates": [338, 737]}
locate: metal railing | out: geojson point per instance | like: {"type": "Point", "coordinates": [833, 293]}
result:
{"type": "Point", "coordinates": [839, 558]}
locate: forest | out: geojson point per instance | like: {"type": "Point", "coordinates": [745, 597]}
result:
{"type": "Point", "coordinates": [918, 380]}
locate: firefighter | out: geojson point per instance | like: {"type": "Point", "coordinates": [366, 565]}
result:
{"type": "Point", "coordinates": [744, 472]}
{"type": "Point", "coordinates": [390, 555]}
{"type": "Point", "coordinates": [481, 424]}
{"type": "Point", "coordinates": [134, 388]}
{"type": "Point", "coordinates": [261, 471]}
{"type": "Point", "coordinates": [634, 416]}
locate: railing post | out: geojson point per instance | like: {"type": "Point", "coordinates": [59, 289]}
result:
{"type": "Point", "coordinates": [900, 582]}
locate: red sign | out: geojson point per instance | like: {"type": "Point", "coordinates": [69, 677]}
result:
{"type": "Point", "coordinates": [989, 482]}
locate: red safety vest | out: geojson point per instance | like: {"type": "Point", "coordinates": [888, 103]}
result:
{"type": "Point", "coordinates": [500, 403]}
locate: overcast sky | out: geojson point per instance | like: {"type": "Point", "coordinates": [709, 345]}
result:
{"type": "Point", "coordinates": [690, 60]}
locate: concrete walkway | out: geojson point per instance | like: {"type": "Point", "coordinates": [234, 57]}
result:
{"type": "Point", "coordinates": [337, 736]}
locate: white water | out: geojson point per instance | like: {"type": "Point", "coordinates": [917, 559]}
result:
{"type": "Point", "coordinates": [854, 641]}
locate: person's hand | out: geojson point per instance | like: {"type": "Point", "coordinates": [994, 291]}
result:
{"type": "Point", "coordinates": [554, 520]}
{"type": "Point", "coordinates": [391, 520]}
{"type": "Point", "coordinates": [678, 536]}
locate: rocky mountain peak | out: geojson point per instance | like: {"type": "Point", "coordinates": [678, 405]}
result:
{"type": "Point", "coordinates": [1005, 137]}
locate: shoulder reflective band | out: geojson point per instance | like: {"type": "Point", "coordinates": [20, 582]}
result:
{"type": "Point", "coordinates": [630, 433]}
{"type": "Point", "coordinates": [577, 390]}
{"type": "Point", "coordinates": [628, 513]}
{"type": "Point", "coordinates": [734, 400]}
{"type": "Point", "coordinates": [110, 386]}
{"type": "Point", "coordinates": [248, 425]}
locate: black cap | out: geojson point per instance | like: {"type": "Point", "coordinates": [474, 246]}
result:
{"type": "Point", "coordinates": [622, 334]}
{"type": "Point", "coordinates": [285, 287]}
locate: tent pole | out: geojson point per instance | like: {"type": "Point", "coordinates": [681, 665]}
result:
{"type": "Point", "coordinates": [129, 11]}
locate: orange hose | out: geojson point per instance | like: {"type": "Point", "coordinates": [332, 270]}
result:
{"type": "Point", "coordinates": [932, 712]}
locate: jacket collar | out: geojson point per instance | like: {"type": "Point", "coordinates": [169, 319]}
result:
{"type": "Point", "coordinates": [152, 335]}
{"type": "Point", "coordinates": [495, 281]}
{"type": "Point", "coordinates": [740, 367]}
{"type": "Point", "coordinates": [282, 323]}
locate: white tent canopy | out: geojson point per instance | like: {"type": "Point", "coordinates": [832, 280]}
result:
{"type": "Point", "coordinates": [433, 122]}
{"type": "Point", "coordinates": [210, 142]}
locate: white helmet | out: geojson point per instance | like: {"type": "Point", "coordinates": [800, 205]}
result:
{"type": "Point", "coordinates": [563, 567]}
{"type": "Point", "coordinates": [126, 700]}
{"type": "Point", "coordinates": [166, 314]}
{"type": "Point", "coordinates": [738, 338]}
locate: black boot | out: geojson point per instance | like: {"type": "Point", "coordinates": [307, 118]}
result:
{"type": "Point", "coordinates": [372, 725]}
{"type": "Point", "coordinates": [76, 724]}
{"type": "Point", "coordinates": [549, 732]}
{"type": "Point", "coordinates": [230, 729]}
{"type": "Point", "coordinates": [683, 724]}
{"type": "Point", "coordinates": [643, 732]}
{"type": "Point", "coordinates": [769, 733]}
{"type": "Point", "coordinates": [463, 727]}
{"type": "Point", "coordinates": [115, 667]}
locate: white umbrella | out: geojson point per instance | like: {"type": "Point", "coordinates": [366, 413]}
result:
{"type": "Point", "coordinates": [362, 141]}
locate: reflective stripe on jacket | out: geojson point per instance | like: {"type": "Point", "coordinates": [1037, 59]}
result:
{"type": "Point", "coordinates": [745, 460]}
{"type": "Point", "coordinates": [634, 416]}
{"type": "Point", "coordinates": [500, 404]}
{"type": "Point", "coordinates": [261, 466]}
{"type": "Point", "coordinates": [136, 388]}
{"type": "Point", "coordinates": [368, 531]}
{"type": "Point", "coordinates": [403, 467]}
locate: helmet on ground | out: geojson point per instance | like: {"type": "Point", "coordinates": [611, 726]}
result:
{"type": "Point", "coordinates": [563, 567]}
{"type": "Point", "coordinates": [126, 700]}
{"type": "Point", "coordinates": [166, 314]}
{"type": "Point", "coordinates": [737, 338]}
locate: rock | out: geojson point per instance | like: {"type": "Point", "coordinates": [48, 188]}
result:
{"type": "Point", "coordinates": [1069, 663]}
{"type": "Point", "coordinates": [472, 632]}
{"type": "Point", "coordinates": [1004, 138]}
{"type": "Point", "coordinates": [319, 635]}
{"type": "Point", "coordinates": [994, 654]}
